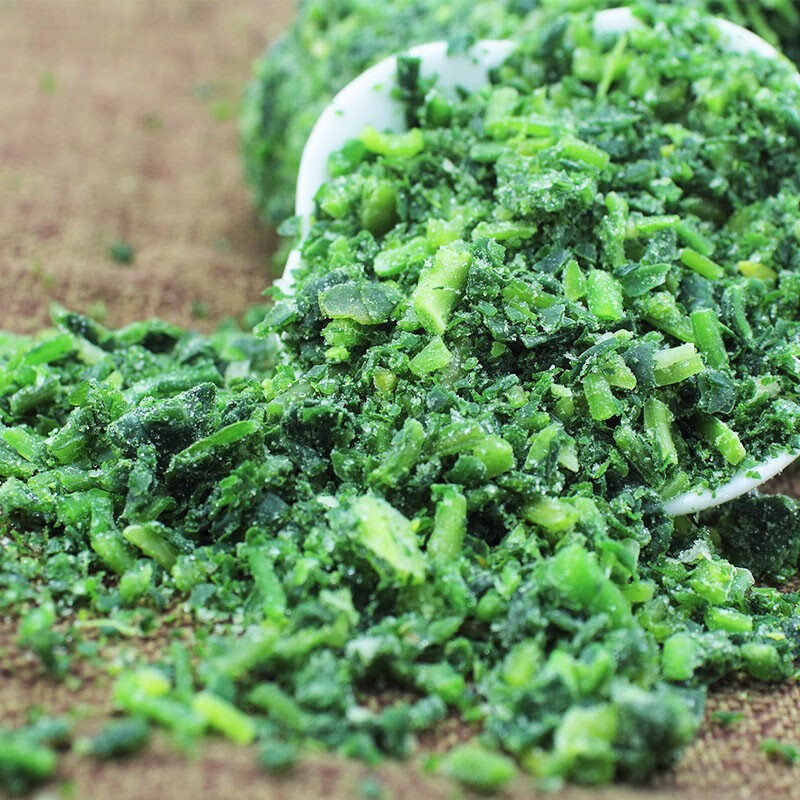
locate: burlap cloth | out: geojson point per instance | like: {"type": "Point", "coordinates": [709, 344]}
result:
{"type": "Point", "coordinates": [118, 122]}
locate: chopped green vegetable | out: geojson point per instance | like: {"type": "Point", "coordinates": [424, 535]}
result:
{"type": "Point", "coordinates": [701, 264]}
{"type": "Point", "coordinates": [781, 751]}
{"type": "Point", "coordinates": [120, 738]}
{"type": "Point", "coordinates": [440, 287]}
{"type": "Point", "coordinates": [479, 768]}
{"type": "Point", "coordinates": [727, 718]}
{"type": "Point", "coordinates": [24, 762]}
{"type": "Point", "coordinates": [121, 252]}
{"type": "Point", "coordinates": [278, 757]}
{"type": "Point", "coordinates": [224, 717]}
{"type": "Point", "coordinates": [758, 532]}
{"type": "Point", "coordinates": [326, 47]}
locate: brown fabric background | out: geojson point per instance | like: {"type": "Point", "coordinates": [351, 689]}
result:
{"type": "Point", "coordinates": [117, 121]}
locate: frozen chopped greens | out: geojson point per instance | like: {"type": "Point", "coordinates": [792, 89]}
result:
{"type": "Point", "coordinates": [591, 265]}
{"type": "Point", "coordinates": [332, 41]}
{"type": "Point", "coordinates": [520, 326]}
{"type": "Point", "coordinates": [28, 755]}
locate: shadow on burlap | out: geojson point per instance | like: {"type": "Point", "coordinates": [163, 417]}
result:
{"type": "Point", "coordinates": [119, 124]}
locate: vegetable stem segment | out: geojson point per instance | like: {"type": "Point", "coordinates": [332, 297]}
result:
{"type": "Point", "coordinates": [440, 287]}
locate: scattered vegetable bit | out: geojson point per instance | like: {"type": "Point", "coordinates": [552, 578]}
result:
{"type": "Point", "coordinates": [781, 751]}
{"type": "Point", "coordinates": [121, 252]}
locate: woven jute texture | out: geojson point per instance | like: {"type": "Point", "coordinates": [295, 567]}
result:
{"type": "Point", "coordinates": [117, 123]}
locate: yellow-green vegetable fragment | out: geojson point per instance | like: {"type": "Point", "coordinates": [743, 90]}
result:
{"type": "Point", "coordinates": [479, 768]}
{"type": "Point", "coordinates": [440, 287]}
{"type": "Point", "coordinates": [224, 717]}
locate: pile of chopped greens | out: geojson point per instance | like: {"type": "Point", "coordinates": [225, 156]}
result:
{"type": "Point", "coordinates": [593, 263]}
{"type": "Point", "coordinates": [327, 46]}
{"type": "Point", "coordinates": [435, 473]}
